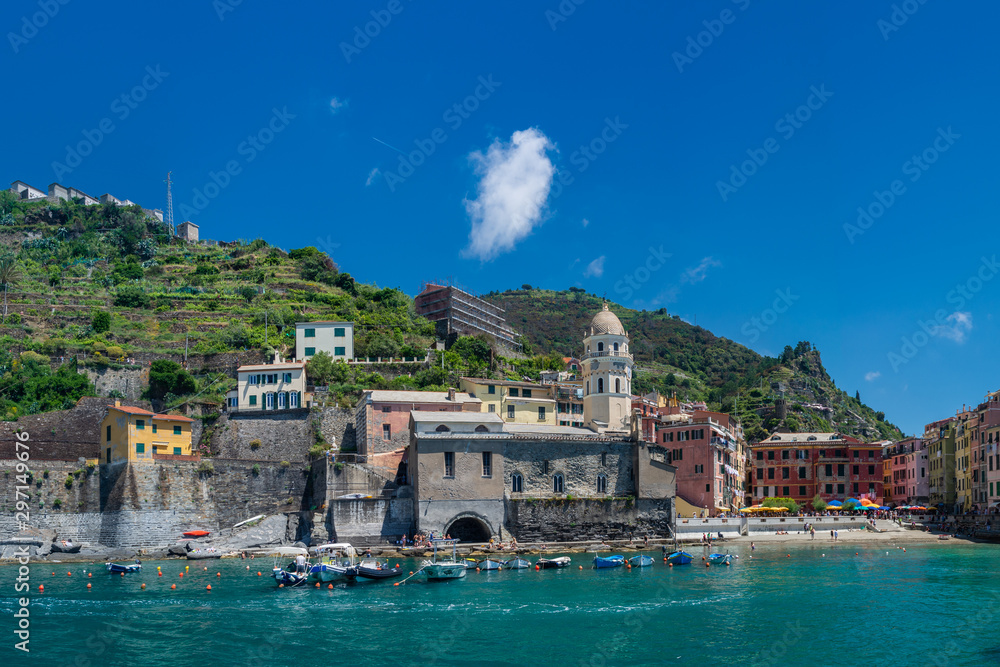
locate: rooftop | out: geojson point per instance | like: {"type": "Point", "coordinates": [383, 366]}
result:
{"type": "Point", "coordinates": [272, 367]}
{"type": "Point", "coordinates": [386, 396]}
{"type": "Point", "coordinates": [146, 413]}
{"type": "Point", "coordinates": [506, 383]}
{"type": "Point", "coordinates": [302, 324]}
{"type": "Point", "coordinates": [811, 439]}
{"type": "Point", "coordinates": [421, 416]}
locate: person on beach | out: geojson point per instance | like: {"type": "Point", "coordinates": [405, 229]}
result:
{"type": "Point", "coordinates": [812, 533]}
{"type": "Point", "coordinates": [752, 547]}
{"type": "Point", "coordinates": [831, 534]}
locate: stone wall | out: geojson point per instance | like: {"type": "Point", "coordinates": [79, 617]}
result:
{"type": "Point", "coordinates": [584, 520]}
{"type": "Point", "coordinates": [337, 426]}
{"type": "Point", "coordinates": [283, 437]}
{"type": "Point", "coordinates": [48, 491]}
{"type": "Point", "coordinates": [130, 382]}
{"type": "Point", "coordinates": [370, 521]}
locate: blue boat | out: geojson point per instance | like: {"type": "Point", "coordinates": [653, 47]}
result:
{"type": "Point", "coordinates": [640, 561]}
{"type": "Point", "coordinates": [608, 561]}
{"type": "Point", "coordinates": [679, 558]}
{"type": "Point", "coordinates": [719, 559]}
{"type": "Point", "coordinates": [286, 578]}
{"type": "Point", "coordinates": [117, 567]}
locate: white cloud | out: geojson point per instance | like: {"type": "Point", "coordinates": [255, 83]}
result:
{"type": "Point", "coordinates": [873, 375]}
{"type": "Point", "coordinates": [961, 324]}
{"type": "Point", "coordinates": [371, 176]}
{"type": "Point", "coordinates": [514, 185]}
{"type": "Point", "coordinates": [595, 269]}
{"type": "Point", "coordinates": [336, 104]}
{"type": "Point", "coordinates": [585, 222]}
{"type": "Point", "coordinates": [700, 272]}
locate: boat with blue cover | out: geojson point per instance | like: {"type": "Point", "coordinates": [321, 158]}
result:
{"type": "Point", "coordinates": [608, 561]}
{"type": "Point", "coordinates": [640, 561]}
{"type": "Point", "coordinates": [286, 578]}
{"type": "Point", "coordinates": [118, 567]}
{"type": "Point", "coordinates": [679, 558]}
{"type": "Point", "coordinates": [719, 559]}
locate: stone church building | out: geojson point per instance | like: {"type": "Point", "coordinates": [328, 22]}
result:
{"type": "Point", "coordinates": [475, 476]}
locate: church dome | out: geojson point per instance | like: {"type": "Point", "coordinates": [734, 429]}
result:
{"type": "Point", "coordinates": [606, 322]}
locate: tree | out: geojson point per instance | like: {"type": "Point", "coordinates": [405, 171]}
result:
{"type": "Point", "coordinates": [131, 296]}
{"type": "Point", "coordinates": [10, 275]}
{"type": "Point", "coordinates": [818, 503]}
{"type": "Point", "coordinates": [319, 369]}
{"type": "Point", "coordinates": [793, 507]}
{"type": "Point", "coordinates": [247, 293]}
{"type": "Point", "coordinates": [787, 355]}
{"type": "Point", "coordinates": [169, 377]}
{"type": "Point", "coordinates": [101, 321]}
{"type": "Point", "coordinates": [857, 396]}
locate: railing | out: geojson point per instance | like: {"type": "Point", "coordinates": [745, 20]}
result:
{"type": "Point", "coordinates": [606, 353]}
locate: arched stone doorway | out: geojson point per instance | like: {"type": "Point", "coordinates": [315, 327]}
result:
{"type": "Point", "coordinates": [469, 529]}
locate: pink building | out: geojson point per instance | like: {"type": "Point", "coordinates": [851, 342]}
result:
{"type": "Point", "coordinates": [709, 453]}
{"type": "Point", "coordinates": [910, 481]}
{"type": "Point", "coordinates": [382, 418]}
{"type": "Point", "coordinates": [989, 436]}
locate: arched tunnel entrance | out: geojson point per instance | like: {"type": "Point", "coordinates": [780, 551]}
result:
{"type": "Point", "coordinates": [469, 529]}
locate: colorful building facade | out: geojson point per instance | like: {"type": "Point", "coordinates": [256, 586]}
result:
{"type": "Point", "coordinates": [138, 436]}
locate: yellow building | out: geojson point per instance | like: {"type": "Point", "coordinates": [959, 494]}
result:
{"type": "Point", "coordinates": [963, 461]}
{"type": "Point", "coordinates": [515, 402]}
{"type": "Point", "coordinates": [136, 435]}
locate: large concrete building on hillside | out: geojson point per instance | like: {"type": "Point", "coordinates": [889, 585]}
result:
{"type": "Point", "coordinates": [457, 312]}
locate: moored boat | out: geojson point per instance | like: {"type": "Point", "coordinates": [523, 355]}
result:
{"type": "Point", "coordinates": [490, 564]}
{"type": "Point", "coordinates": [196, 533]}
{"type": "Point", "coordinates": [608, 561]}
{"type": "Point", "coordinates": [551, 563]}
{"type": "Point", "coordinates": [470, 563]}
{"type": "Point", "coordinates": [640, 561]}
{"type": "Point", "coordinates": [286, 578]}
{"type": "Point", "coordinates": [373, 569]}
{"type": "Point", "coordinates": [438, 569]}
{"type": "Point", "coordinates": [679, 558]}
{"type": "Point", "coordinates": [335, 561]}
{"type": "Point", "coordinates": [517, 564]}
{"type": "Point", "coordinates": [119, 567]}
{"type": "Point", "coordinates": [719, 559]}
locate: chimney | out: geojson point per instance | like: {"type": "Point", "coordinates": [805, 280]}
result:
{"type": "Point", "coordinates": [451, 393]}
{"type": "Point", "coordinates": [118, 403]}
{"type": "Point", "coordinates": [277, 357]}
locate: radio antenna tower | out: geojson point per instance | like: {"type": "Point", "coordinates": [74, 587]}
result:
{"type": "Point", "coordinates": [170, 205]}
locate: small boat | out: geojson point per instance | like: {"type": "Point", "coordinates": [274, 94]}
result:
{"type": "Point", "coordinates": [679, 558]}
{"type": "Point", "coordinates": [452, 568]}
{"type": "Point", "coordinates": [640, 561]}
{"type": "Point", "coordinates": [550, 563]}
{"type": "Point", "coordinates": [118, 567]}
{"type": "Point", "coordinates": [517, 564]}
{"type": "Point", "coordinates": [335, 561]}
{"type": "Point", "coordinates": [373, 569]}
{"type": "Point", "coordinates": [490, 564]}
{"type": "Point", "coordinates": [287, 578]}
{"type": "Point", "coordinates": [719, 559]}
{"type": "Point", "coordinates": [201, 554]}
{"type": "Point", "coordinates": [608, 561]}
{"type": "Point", "coordinates": [470, 563]}
{"type": "Point", "coordinates": [196, 533]}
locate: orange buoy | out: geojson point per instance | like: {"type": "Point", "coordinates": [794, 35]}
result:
{"type": "Point", "coordinates": [89, 585]}
{"type": "Point", "coordinates": [317, 584]}
{"type": "Point", "coordinates": [669, 564]}
{"type": "Point", "coordinates": [330, 586]}
{"type": "Point", "coordinates": [477, 569]}
{"type": "Point", "coordinates": [581, 567]}
{"type": "Point", "coordinates": [173, 586]}
{"type": "Point", "coordinates": [159, 574]}
{"type": "Point", "coordinates": [41, 589]}
{"type": "Point", "coordinates": [88, 574]}
{"type": "Point", "coordinates": [206, 568]}
{"type": "Point", "coordinates": [707, 565]}
{"type": "Point", "coordinates": [855, 553]}
{"type": "Point", "coordinates": [788, 555]}
{"type": "Point", "coordinates": [281, 585]}
{"type": "Point", "coordinates": [537, 568]}
{"type": "Point", "coordinates": [218, 574]}
{"type": "Point", "coordinates": [123, 574]}
{"type": "Point", "coordinates": [209, 587]}
{"type": "Point", "coordinates": [258, 574]}
{"type": "Point", "coordinates": [53, 574]}
{"type": "Point", "coordinates": [411, 571]}
{"type": "Point", "coordinates": [703, 558]}
{"type": "Point", "coordinates": [69, 574]}
{"type": "Point", "coordinates": [143, 587]}
{"type": "Point", "coordinates": [727, 562]}
{"type": "Point", "coordinates": [395, 584]}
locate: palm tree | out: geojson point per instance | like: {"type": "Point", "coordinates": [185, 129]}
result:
{"type": "Point", "coordinates": [9, 275]}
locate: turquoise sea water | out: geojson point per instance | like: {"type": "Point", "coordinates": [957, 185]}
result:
{"type": "Point", "coordinates": [822, 606]}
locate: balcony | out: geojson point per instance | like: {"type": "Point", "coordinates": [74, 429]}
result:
{"type": "Point", "coordinates": [606, 353]}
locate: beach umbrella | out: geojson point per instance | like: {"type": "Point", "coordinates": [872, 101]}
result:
{"type": "Point", "coordinates": [884, 507]}
{"type": "Point", "coordinates": [834, 503]}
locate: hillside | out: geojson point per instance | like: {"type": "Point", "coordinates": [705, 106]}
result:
{"type": "Point", "coordinates": [672, 355]}
{"type": "Point", "coordinates": [106, 287]}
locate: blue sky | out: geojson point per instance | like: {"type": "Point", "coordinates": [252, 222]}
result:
{"type": "Point", "coordinates": [592, 145]}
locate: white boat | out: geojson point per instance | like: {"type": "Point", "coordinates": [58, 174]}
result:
{"type": "Point", "coordinates": [437, 569]}
{"type": "Point", "coordinates": [335, 561]}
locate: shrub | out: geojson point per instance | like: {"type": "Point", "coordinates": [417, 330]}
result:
{"type": "Point", "coordinates": [69, 482]}
{"type": "Point", "coordinates": [285, 464]}
{"type": "Point", "coordinates": [57, 503]}
{"type": "Point", "coordinates": [169, 377]}
{"type": "Point", "coordinates": [206, 468]}
{"type": "Point", "coordinates": [255, 444]}
{"type": "Point", "coordinates": [101, 321]}
{"type": "Point", "coordinates": [131, 296]}
{"type": "Point", "coordinates": [255, 469]}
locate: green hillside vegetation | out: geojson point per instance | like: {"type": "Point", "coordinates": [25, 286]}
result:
{"type": "Point", "coordinates": [103, 284]}
{"type": "Point", "coordinates": [674, 356]}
